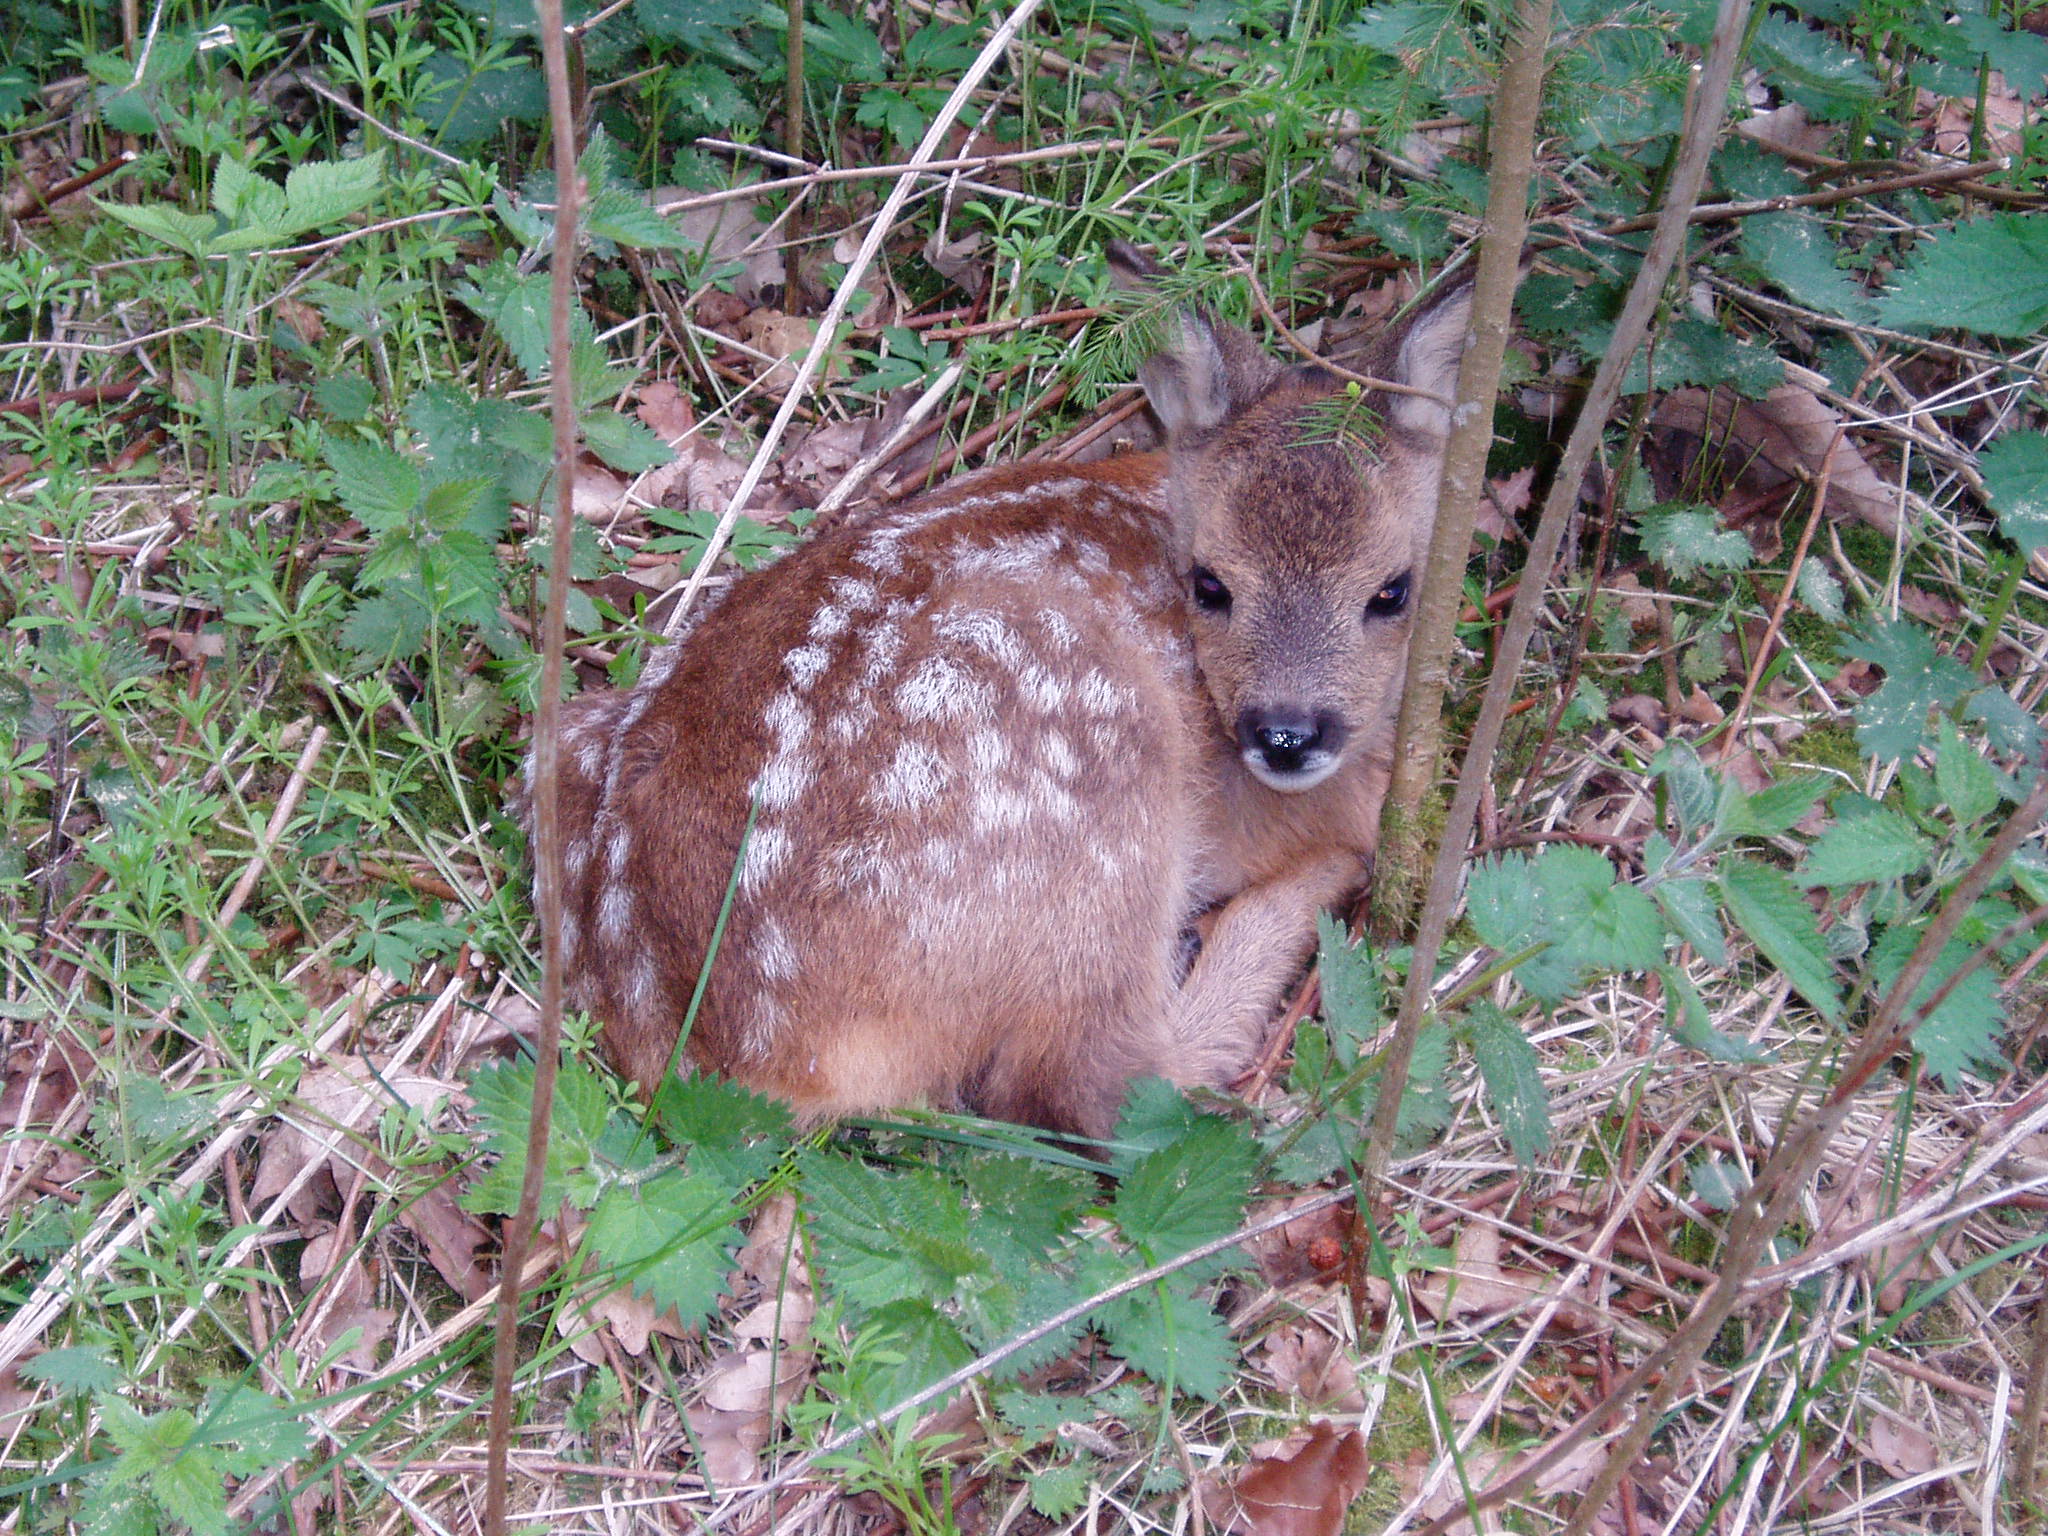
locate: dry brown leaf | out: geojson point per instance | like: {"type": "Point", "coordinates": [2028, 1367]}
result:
{"type": "Point", "coordinates": [1505, 500]}
{"type": "Point", "coordinates": [725, 230]}
{"type": "Point", "coordinates": [1786, 128]}
{"type": "Point", "coordinates": [452, 1238]}
{"type": "Point", "coordinates": [1484, 1468]}
{"type": "Point", "coordinates": [771, 1257]}
{"type": "Point", "coordinates": [784, 339]}
{"type": "Point", "coordinates": [789, 1315]}
{"type": "Point", "coordinates": [1904, 1450]}
{"type": "Point", "coordinates": [352, 1092]}
{"type": "Point", "coordinates": [666, 411]}
{"type": "Point", "coordinates": [1475, 1283]}
{"type": "Point", "coordinates": [825, 453]}
{"type": "Point", "coordinates": [376, 1324]}
{"type": "Point", "coordinates": [1952, 121]}
{"type": "Point", "coordinates": [730, 1443]}
{"type": "Point", "coordinates": [1313, 1366]}
{"type": "Point", "coordinates": [1716, 443]}
{"type": "Point", "coordinates": [1303, 1492]}
{"type": "Point", "coordinates": [756, 1380]}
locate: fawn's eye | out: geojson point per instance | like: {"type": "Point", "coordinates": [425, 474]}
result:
{"type": "Point", "coordinates": [1210, 594]}
{"type": "Point", "coordinates": [1390, 599]}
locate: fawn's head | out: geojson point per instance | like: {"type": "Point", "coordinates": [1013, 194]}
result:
{"type": "Point", "coordinates": [1303, 508]}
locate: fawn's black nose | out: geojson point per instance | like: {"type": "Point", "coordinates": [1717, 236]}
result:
{"type": "Point", "coordinates": [1282, 744]}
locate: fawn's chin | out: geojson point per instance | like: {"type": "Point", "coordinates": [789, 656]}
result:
{"type": "Point", "coordinates": [1293, 781]}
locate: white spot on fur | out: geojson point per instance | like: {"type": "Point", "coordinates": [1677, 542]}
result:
{"type": "Point", "coordinates": [999, 808]}
{"type": "Point", "coordinates": [851, 723]}
{"type": "Point", "coordinates": [1059, 629]}
{"type": "Point", "coordinates": [1100, 696]}
{"type": "Point", "coordinates": [786, 719]}
{"type": "Point", "coordinates": [1021, 557]}
{"type": "Point", "coordinates": [773, 953]}
{"type": "Point", "coordinates": [987, 754]}
{"type": "Point", "coordinates": [590, 748]}
{"type": "Point", "coordinates": [881, 649]}
{"type": "Point", "coordinates": [941, 689]}
{"type": "Point", "coordinates": [640, 987]}
{"type": "Point", "coordinates": [984, 631]}
{"type": "Point", "coordinates": [615, 911]}
{"type": "Point", "coordinates": [616, 851]}
{"type": "Point", "coordinates": [805, 665]}
{"type": "Point", "coordinates": [782, 783]}
{"type": "Point", "coordinates": [572, 936]}
{"type": "Point", "coordinates": [1091, 557]}
{"type": "Point", "coordinates": [1041, 689]}
{"type": "Point", "coordinates": [865, 865]}
{"type": "Point", "coordinates": [767, 1019]}
{"type": "Point", "coordinates": [854, 594]}
{"type": "Point", "coordinates": [576, 857]}
{"type": "Point", "coordinates": [829, 622]}
{"type": "Point", "coordinates": [1059, 756]}
{"type": "Point", "coordinates": [914, 779]}
{"type": "Point", "coordinates": [767, 852]}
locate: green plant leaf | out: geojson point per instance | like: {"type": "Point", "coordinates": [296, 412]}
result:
{"type": "Point", "coordinates": [1892, 722]}
{"type": "Point", "coordinates": [1508, 1066]}
{"type": "Point", "coordinates": [380, 489]}
{"type": "Point", "coordinates": [1879, 845]}
{"type": "Point", "coordinates": [670, 1237]}
{"type": "Point", "coordinates": [730, 1132]}
{"type": "Point", "coordinates": [1687, 540]}
{"type": "Point", "coordinates": [1167, 1332]}
{"type": "Point", "coordinates": [1688, 905]}
{"type": "Point", "coordinates": [1829, 80]}
{"type": "Point", "coordinates": [1693, 789]}
{"type": "Point", "coordinates": [191, 233]}
{"type": "Point", "coordinates": [1961, 1036]}
{"type": "Point", "coordinates": [2015, 470]}
{"type": "Point", "coordinates": [1057, 1492]}
{"type": "Point", "coordinates": [1796, 252]}
{"type": "Point", "coordinates": [74, 1368]}
{"type": "Point", "coordinates": [1989, 275]}
{"type": "Point", "coordinates": [879, 1236]}
{"type": "Point", "coordinates": [1967, 784]}
{"type": "Point", "coordinates": [321, 192]}
{"type": "Point", "coordinates": [1778, 807]}
{"type": "Point", "coordinates": [924, 1343]}
{"type": "Point", "coordinates": [1687, 1021]}
{"type": "Point", "coordinates": [627, 445]}
{"type": "Point", "coordinates": [1765, 906]}
{"type": "Point", "coordinates": [1352, 1004]}
{"type": "Point", "coordinates": [1188, 1192]}
{"type": "Point", "coordinates": [246, 200]}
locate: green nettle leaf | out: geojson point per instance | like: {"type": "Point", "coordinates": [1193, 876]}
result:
{"type": "Point", "coordinates": [1829, 80]}
{"type": "Point", "coordinates": [1878, 845]}
{"type": "Point", "coordinates": [74, 1368]}
{"type": "Point", "coordinates": [1694, 791]}
{"type": "Point", "coordinates": [627, 445]}
{"type": "Point", "coordinates": [1058, 1491]}
{"type": "Point", "coordinates": [1187, 1193]}
{"type": "Point", "coordinates": [191, 233]}
{"type": "Point", "coordinates": [1892, 722]}
{"type": "Point", "coordinates": [501, 1095]}
{"type": "Point", "coordinates": [1688, 1022]}
{"type": "Point", "coordinates": [1155, 1114]}
{"type": "Point", "coordinates": [2015, 470]}
{"type": "Point", "coordinates": [246, 199]}
{"type": "Point", "coordinates": [448, 505]}
{"type": "Point", "coordinates": [1717, 1184]}
{"type": "Point", "coordinates": [1692, 351]}
{"type": "Point", "coordinates": [1500, 900]}
{"type": "Point", "coordinates": [388, 625]}
{"type": "Point", "coordinates": [328, 191]}
{"type": "Point", "coordinates": [1961, 1036]}
{"type": "Point", "coordinates": [919, 1344]}
{"type": "Point", "coordinates": [693, 23]}
{"type": "Point", "coordinates": [670, 1237]}
{"type": "Point", "coordinates": [1765, 906]}
{"type": "Point", "coordinates": [1777, 808]}
{"type": "Point", "coordinates": [1508, 1066]}
{"type": "Point", "coordinates": [879, 1235]}
{"type": "Point", "coordinates": [1019, 1209]}
{"type": "Point", "coordinates": [380, 489]}
{"type": "Point", "coordinates": [1821, 591]}
{"type": "Point", "coordinates": [624, 215]}
{"type": "Point", "coordinates": [731, 1132]}
{"type": "Point", "coordinates": [1352, 1004]}
{"type": "Point", "coordinates": [1165, 1330]}
{"type": "Point", "coordinates": [1967, 784]}
{"type": "Point", "coordinates": [1688, 905]}
{"type": "Point", "coordinates": [1686, 540]}
{"type": "Point", "coordinates": [1989, 275]}
{"type": "Point", "coordinates": [1797, 253]}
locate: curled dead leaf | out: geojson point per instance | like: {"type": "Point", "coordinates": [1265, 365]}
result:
{"type": "Point", "coordinates": [1303, 1491]}
{"type": "Point", "coordinates": [1712, 444]}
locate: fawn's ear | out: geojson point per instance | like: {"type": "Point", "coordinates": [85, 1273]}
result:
{"type": "Point", "coordinates": [1204, 371]}
{"type": "Point", "coordinates": [1423, 352]}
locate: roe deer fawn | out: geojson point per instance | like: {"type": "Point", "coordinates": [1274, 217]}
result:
{"type": "Point", "coordinates": [1003, 743]}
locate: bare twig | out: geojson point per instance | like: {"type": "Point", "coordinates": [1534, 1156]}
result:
{"type": "Point", "coordinates": [1714, 213]}
{"type": "Point", "coordinates": [875, 458]}
{"type": "Point", "coordinates": [1511, 146]}
{"type": "Point", "coordinates": [547, 824]}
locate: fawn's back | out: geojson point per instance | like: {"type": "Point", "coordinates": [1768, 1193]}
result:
{"type": "Point", "coordinates": [972, 765]}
